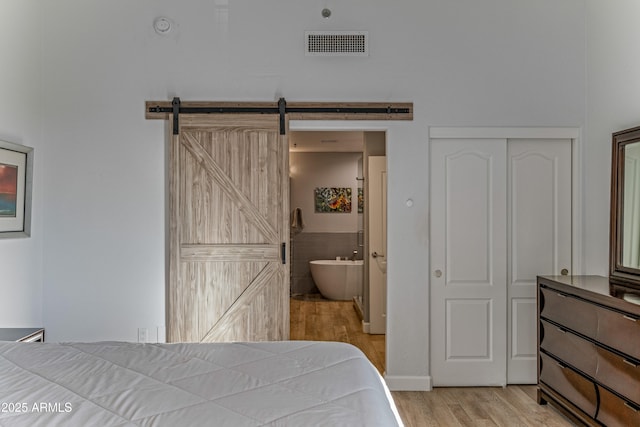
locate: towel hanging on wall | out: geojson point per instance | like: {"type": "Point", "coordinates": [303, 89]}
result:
{"type": "Point", "coordinates": [297, 224]}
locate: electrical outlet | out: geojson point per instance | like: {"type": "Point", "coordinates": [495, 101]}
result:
{"type": "Point", "coordinates": [143, 334]}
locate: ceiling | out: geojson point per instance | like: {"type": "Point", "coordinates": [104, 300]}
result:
{"type": "Point", "coordinates": [326, 141]}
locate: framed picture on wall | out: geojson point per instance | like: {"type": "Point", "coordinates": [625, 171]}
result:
{"type": "Point", "coordinates": [332, 199]}
{"type": "Point", "coordinates": [16, 180]}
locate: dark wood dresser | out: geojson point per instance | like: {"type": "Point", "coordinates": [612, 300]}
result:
{"type": "Point", "coordinates": [589, 349]}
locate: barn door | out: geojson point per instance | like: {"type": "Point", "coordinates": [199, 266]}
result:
{"type": "Point", "coordinates": [229, 203]}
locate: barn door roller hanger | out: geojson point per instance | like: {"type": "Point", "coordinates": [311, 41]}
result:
{"type": "Point", "coordinates": [301, 111]}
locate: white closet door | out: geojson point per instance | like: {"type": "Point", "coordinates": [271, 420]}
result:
{"type": "Point", "coordinates": [539, 239]}
{"type": "Point", "coordinates": [468, 262]}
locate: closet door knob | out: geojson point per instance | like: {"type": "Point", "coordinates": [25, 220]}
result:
{"type": "Point", "coordinates": [564, 272]}
{"type": "Point", "coordinates": [437, 273]}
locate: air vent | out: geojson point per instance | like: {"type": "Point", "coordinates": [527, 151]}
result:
{"type": "Point", "coordinates": [336, 43]}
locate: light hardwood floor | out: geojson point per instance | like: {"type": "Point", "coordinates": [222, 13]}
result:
{"type": "Point", "coordinates": [323, 320]}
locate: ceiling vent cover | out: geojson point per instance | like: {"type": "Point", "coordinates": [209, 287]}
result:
{"type": "Point", "coordinates": [336, 43]}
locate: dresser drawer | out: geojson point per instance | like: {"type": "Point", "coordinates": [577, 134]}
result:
{"type": "Point", "coordinates": [573, 386]}
{"type": "Point", "coordinates": [575, 351]}
{"type": "Point", "coordinates": [616, 330]}
{"type": "Point", "coordinates": [573, 313]}
{"type": "Point", "coordinates": [619, 373]}
{"type": "Point", "coordinates": [615, 411]}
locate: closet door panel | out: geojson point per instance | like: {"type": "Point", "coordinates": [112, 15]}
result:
{"type": "Point", "coordinates": [539, 238]}
{"type": "Point", "coordinates": [468, 249]}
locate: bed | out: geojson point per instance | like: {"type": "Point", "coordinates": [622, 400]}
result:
{"type": "Point", "coordinates": [290, 383]}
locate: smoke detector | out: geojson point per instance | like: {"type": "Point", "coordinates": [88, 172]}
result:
{"type": "Point", "coordinates": [162, 25]}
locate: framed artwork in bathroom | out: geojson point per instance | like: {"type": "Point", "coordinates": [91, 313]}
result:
{"type": "Point", "coordinates": [332, 200]}
{"type": "Point", "coordinates": [360, 200]}
{"type": "Point", "coordinates": [16, 171]}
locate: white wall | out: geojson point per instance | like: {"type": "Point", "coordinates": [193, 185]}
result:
{"type": "Point", "coordinates": [104, 272]}
{"type": "Point", "coordinates": [21, 123]}
{"type": "Point", "coordinates": [462, 63]}
{"type": "Point", "coordinates": [312, 170]}
{"type": "Point", "coordinates": [613, 91]}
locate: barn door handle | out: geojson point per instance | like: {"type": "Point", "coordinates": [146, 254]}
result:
{"type": "Point", "coordinates": [283, 252]}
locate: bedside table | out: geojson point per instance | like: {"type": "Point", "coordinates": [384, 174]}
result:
{"type": "Point", "coordinates": [22, 334]}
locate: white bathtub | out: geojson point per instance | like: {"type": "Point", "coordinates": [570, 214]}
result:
{"type": "Point", "coordinates": [337, 280]}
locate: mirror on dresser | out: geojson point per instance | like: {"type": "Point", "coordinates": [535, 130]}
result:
{"type": "Point", "coordinates": [625, 208]}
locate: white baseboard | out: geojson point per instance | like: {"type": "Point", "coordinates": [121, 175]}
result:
{"type": "Point", "coordinates": [366, 327]}
{"type": "Point", "coordinates": [408, 383]}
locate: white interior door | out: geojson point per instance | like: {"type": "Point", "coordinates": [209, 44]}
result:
{"type": "Point", "coordinates": [539, 239]}
{"type": "Point", "coordinates": [377, 193]}
{"type": "Point", "coordinates": [468, 262]}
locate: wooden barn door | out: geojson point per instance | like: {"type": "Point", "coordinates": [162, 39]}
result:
{"type": "Point", "coordinates": [229, 204]}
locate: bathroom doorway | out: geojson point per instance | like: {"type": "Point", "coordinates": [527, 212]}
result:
{"type": "Point", "coordinates": [326, 164]}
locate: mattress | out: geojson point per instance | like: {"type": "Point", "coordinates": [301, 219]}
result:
{"type": "Point", "coordinates": [290, 383]}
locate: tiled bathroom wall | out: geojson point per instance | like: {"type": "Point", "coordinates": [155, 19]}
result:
{"type": "Point", "coordinates": [311, 246]}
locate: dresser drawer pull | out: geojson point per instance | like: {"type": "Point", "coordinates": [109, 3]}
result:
{"type": "Point", "coordinates": [562, 366]}
{"type": "Point", "coordinates": [630, 406]}
{"type": "Point", "coordinates": [561, 295]}
{"type": "Point", "coordinates": [629, 362]}
{"type": "Point", "coordinates": [564, 331]}
{"type": "Point", "coordinates": [633, 319]}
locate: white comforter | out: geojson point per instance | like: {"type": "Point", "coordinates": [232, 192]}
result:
{"type": "Point", "coordinates": [293, 383]}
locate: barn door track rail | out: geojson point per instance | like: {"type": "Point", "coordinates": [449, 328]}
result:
{"type": "Point", "coordinates": [296, 110]}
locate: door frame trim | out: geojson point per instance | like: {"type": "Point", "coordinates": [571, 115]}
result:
{"type": "Point", "coordinates": [504, 132]}
{"type": "Point", "coordinates": [361, 126]}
